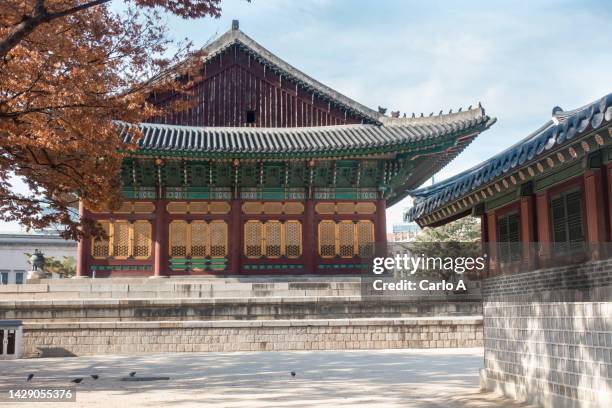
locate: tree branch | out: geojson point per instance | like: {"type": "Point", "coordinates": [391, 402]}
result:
{"type": "Point", "coordinates": [39, 16]}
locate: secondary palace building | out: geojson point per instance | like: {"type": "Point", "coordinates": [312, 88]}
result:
{"type": "Point", "coordinates": [270, 172]}
{"type": "Point", "coordinates": [544, 201]}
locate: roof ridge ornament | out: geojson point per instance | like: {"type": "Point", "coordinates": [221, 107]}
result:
{"type": "Point", "coordinates": [235, 25]}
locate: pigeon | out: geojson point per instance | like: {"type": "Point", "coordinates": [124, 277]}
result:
{"type": "Point", "coordinates": [77, 380]}
{"type": "Point", "coordinates": [95, 376]}
{"type": "Point", "coordinates": [30, 376]}
{"type": "Point", "coordinates": [133, 373]}
{"type": "Point", "coordinates": [293, 373]}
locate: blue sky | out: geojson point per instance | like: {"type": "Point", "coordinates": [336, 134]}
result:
{"type": "Point", "coordinates": [519, 59]}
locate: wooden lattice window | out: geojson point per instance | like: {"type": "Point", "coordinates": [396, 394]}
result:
{"type": "Point", "coordinates": [253, 239]}
{"type": "Point", "coordinates": [121, 237]}
{"type": "Point", "coordinates": [365, 238]}
{"type": "Point", "coordinates": [100, 247]}
{"type": "Point", "coordinates": [179, 238]}
{"type": "Point", "coordinates": [141, 241]}
{"type": "Point", "coordinates": [218, 238]}
{"type": "Point", "coordinates": [327, 239]}
{"type": "Point", "coordinates": [273, 238]}
{"type": "Point", "coordinates": [567, 221]}
{"type": "Point", "coordinates": [508, 237]}
{"type": "Point", "coordinates": [200, 239]}
{"type": "Point", "coordinates": [293, 239]}
{"type": "Point", "coordinates": [346, 239]}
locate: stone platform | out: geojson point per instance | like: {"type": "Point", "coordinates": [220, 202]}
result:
{"type": "Point", "coordinates": [128, 315]}
{"type": "Point", "coordinates": [72, 339]}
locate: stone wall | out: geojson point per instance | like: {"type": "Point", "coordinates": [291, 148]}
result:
{"type": "Point", "coordinates": [66, 339]}
{"type": "Point", "coordinates": [264, 308]}
{"type": "Point", "coordinates": [548, 335]}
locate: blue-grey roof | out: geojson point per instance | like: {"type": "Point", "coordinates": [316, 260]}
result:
{"type": "Point", "coordinates": [392, 134]}
{"type": "Point", "coordinates": [564, 126]}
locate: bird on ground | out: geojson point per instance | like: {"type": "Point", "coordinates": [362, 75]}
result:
{"type": "Point", "coordinates": [30, 376]}
{"type": "Point", "coordinates": [95, 376]}
{"type": "Point", "coordinates": [293, 373]}
{"type": "Point", "coordinates": [133, 373]}
{"type": "Point", "coordinates": [77, 380]}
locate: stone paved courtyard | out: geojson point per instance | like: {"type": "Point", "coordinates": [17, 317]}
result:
{"type": "Point", "coordinates": [390, 378]}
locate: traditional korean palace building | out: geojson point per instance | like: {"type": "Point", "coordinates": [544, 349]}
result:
{"type": "Point", "coordinates": [270, 172]}
{"type": "Point", "coordinates": [543, 201]}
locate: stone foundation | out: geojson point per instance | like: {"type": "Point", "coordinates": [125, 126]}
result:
{"type": "Point", "coordinates": [74, 339]}
{"type": "Point", "coordinates": [548, 336]}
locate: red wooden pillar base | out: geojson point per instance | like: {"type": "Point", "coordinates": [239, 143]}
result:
{"type": "Point", "coordinates": [309, 237]}
{"type": "Point", "coordinates": [381, 227]}
{"type": "Point", "coordinates": [235, 244]}
{"type": "Point", "coordinates": [161, 239]}
{"type": "Point", "coordinates": [82, 264]}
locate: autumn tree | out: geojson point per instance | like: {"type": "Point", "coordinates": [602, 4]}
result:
{"type": "Point", "coordinates": [68, 69]}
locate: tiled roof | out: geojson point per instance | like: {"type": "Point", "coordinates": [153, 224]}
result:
{"type": "Point", "coordinates": [563, 127]}
{"type": "Point", "coordinates": [396, 133]}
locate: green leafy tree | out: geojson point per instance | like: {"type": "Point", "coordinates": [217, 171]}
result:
{"type": "Point", "coordinates": [460, 238]}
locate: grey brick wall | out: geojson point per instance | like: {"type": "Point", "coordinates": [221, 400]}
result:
{"type": "Point", "coordinates": [548, 335]}
{"type": "Point", "coordinates": [62, 339]}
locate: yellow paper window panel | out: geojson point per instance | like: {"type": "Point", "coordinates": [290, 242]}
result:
{"type": "Point", "coordinates": [218, 238]}
{"type": "Point", "coordinates": [293, 239]}
{"type": "Point", "coordinates": [273, 239]}
{"type": "Point", "coordinates": [200, 239]}
{"type": "Point", "coordinates": [346, 239]}
{"type": "Point", "coordinates": [253, 239]}
{"type": "Point", "coordinates": [327, 239]}
{"type": "Point", "coordinates": [100, 247]}
{"type": "Point", "coordinates": [179, 238]}
{"type": "Point", "coordinates": [365, 238]}
{"type": "Point", "coordinates": [121, 239]}
{"type": "Point", "coordinates": [141, 241]}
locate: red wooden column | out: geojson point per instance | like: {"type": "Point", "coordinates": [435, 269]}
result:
{"type": "Point", "coordinates": [544, 229]}
{"type": "Point", "coordinates": [309, 237]}
{"type": "Point", "coordinates": [492, 243]}
{"type": "Point", "coordinates": [527, 218]}
{"type": "Point", "coordinates": [381, 226]}
{"type": "Point", "coordinates": [82, 264]}
{"type": "Point", "coordinates": [235, 245]}
{"type": "Point", "coordinates": [594, 211]}
{"type": "Point", "coordinates": [161, 239]}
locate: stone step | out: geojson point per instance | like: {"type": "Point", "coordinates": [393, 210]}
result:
{"type": "Point", "coordinates": [263, 308]}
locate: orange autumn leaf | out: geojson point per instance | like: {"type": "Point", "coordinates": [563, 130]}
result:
{"type": "Point", "coordinates": [68, 69]}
